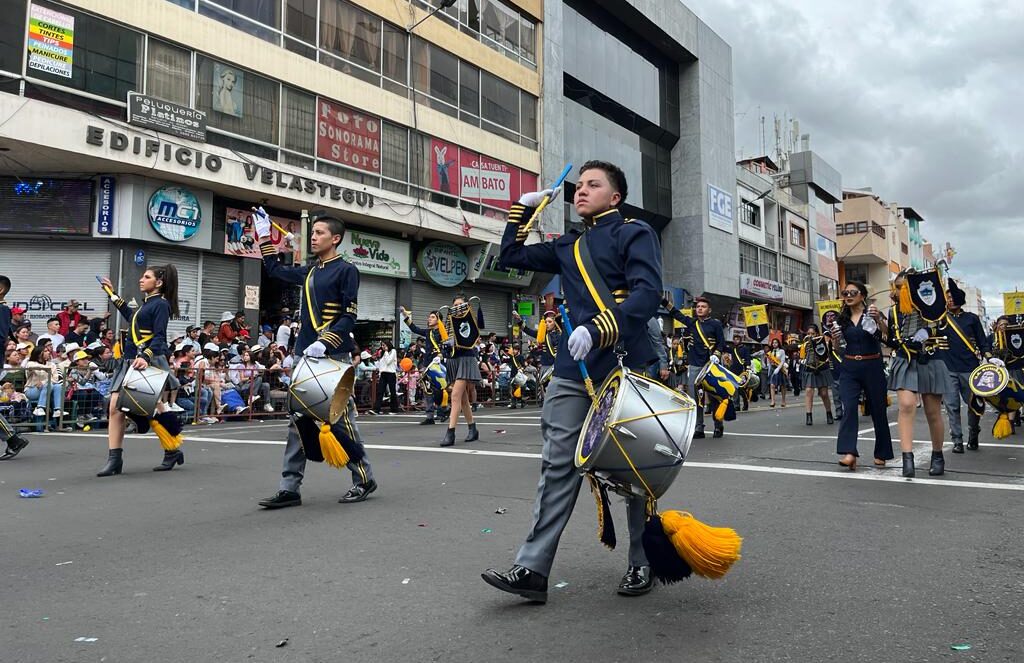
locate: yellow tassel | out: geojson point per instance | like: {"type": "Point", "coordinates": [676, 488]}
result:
{"type": "Point", "coordinates": [167, 441]}
{"type": "Point", "coordinates": [542, 330]}
{"type": "Point", "coordinates": [1002, 428]}
{"type": "Point", "coordinates": [334, 453]}
{"type": "Point", "coordinates": [444, 398]}
{"type": "Point", "coordinates": [518, 393]}
{"type": "Point", "coordinates": [117, 350]}
{"type": "Point", "coordinates": [906, 303]}
{"type": "Point", "coordinates": [888, 400]}
{"type": "Point", "coordinates": [679, 351]}
{"type": "Point", "coordinates": [721, 409]}
{"type": "Point", "coordinates": [442, 329]}
{"type": "Point", "coordinates": [710, 551]}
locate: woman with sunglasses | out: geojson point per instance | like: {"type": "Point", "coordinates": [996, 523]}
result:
{"type": "Point", "coordinates": [912, 373]}
{"type": "Point", "coordinates": [858, 332]}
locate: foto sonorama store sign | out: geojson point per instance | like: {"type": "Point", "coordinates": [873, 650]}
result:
{"type": "Point", "coordinates": [119, 141]}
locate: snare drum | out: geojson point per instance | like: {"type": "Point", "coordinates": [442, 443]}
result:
{"type": "Point", "coordinates": [141, 390]}
{"type": "Point", "coordinates": [321, 388]}
{"type": "Point", "coordinates": [637, 434]}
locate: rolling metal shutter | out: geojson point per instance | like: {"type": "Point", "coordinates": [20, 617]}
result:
{"type": "Point", "coordinates": [46, 273]}
{"type": "Point", "coordinates": [376, 298]}
{"type": "Point", "coordinates": [496, 303]}
{"type": "Point", "coordinates": [221, 278]}
{"type": "Point", "coordinates": [187, 264]}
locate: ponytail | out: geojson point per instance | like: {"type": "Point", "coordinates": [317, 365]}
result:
{"type": "Point", "coordinates": [169, 275]}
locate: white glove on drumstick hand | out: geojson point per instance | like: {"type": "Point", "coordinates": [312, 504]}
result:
{"type": "Point", "coordinates": [316, 349]}
{"type": "Point", "coordinates": [580, 343]}
{"type": "Point", "coordinates": [261, 222]}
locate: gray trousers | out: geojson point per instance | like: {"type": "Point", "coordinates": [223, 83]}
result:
{"type": "Point", "coordinates": [295, 457]}
{"type": "Point", "coordinates": [566, 405]}
{"type": "Point", "coordinates": [694, 389]}
{"type": "Point", "coordinates": [6, 430]}
{"type": "Point", "coordinates": [959, 388]}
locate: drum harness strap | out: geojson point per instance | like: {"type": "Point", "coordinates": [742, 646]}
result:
{"type": "Point", "coordinates": [600, 293]}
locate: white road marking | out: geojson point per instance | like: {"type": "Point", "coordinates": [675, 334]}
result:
{"type": "Point", "coordinates": [869, 475]}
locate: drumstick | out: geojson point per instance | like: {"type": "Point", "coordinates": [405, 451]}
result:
{"type": "Point", "coordinates": [106, 288]}
{"type": "Point", "coordinates": [547, 199]}
{"type": "Point", "coordinates": [587, 382]}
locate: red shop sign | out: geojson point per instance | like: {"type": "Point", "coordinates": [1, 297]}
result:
{"type": "Point", "coordinates": [347, 137]}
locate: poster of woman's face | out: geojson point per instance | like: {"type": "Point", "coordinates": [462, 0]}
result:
{"type": "Point", "coordinates": [228, 84]}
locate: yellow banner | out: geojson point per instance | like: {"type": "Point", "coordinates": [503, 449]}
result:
{"type": "Point", "coordinates": [755, 315]}
{"type": "Point", "coordinates": [826, 305]}
{"type": "Point", "coordinates": [1013, 303]}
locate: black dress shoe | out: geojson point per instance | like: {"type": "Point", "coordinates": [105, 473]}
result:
{"type": "Point", "coordinates": [427, 422]}
{"type": "Point", "coordinates": [719, 431]}
{"type": "Point", "coordinates": [519, 580]}
{"type": "Point", "coordinates": [449, 438]}
{"type": "Point", "coordinates": [698, 435]}
{"type": "Point", "coordinates": [14, 447]}
{"type": "Point", "coordinates": [972, 440]}
{"type": "Point", "coordinates": [638, 580]}
{"type": "Point", "coordinates": [958, 446]}
{"type": "Point", "coordinates": [358, 492]}
{"type": "Point", "coordinates": [938, 464]}
{"type": "Point", "coordinates": [473, 435]}
{"type": "Point", "coordinates": [282, 499]}
{"type": "Point", "coordinates": [171, 458]}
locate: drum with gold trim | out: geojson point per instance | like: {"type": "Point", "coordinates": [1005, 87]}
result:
{"type": "Point", "coordinates": [637, 434]}
{"type": "Point", "coordinates": [141, 390]}
{"type": "Point", "coordinates": [320, 388]}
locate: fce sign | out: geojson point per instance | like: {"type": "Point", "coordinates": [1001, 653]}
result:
{"type": "Point", "coordinates": [719, 209]}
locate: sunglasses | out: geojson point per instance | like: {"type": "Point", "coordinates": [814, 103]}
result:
{"type": "Point", "coordinates": [850, 293]}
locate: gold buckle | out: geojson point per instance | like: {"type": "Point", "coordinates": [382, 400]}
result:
{"type": "Point", "coordinates": [858, 357]}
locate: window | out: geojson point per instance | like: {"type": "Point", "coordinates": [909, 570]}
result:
{"type": "Point", "coordinates": [862, 226]}
{"type": "Point", "coordinates": [469, 93]}
{"type": "Point", "coordinates": [236, 100]}
{"type": "Point", "coordinates": [394, 66]}
{"type": "Point", "coordinates": [300, 22]}
{"type": "Point", "coordinates": [857, 273]}
{"type": "Point", "coordinates": [107, 58]}
{"type": "Point", "coordinates": [501, 26]}
{"type": "Point", "coordinates": [499, 104]}
{"type": "Point", "coordinates": [256, 17]}
{"type": "Point", "coordinates": [353, 35]}
{"type": "Point", "coordinates": [796, 274]}
{"type": "Point", "coordinates": [436, 74]}
{"type": "Point", "coordinates": [748, 259]}
{"type": "Point", "coordinates": [769, 264]}
{"type": "Point", "coordinates": [826, 247]}
{"type": "Point", "coordinates": [827, 288]}
{"type": "Point", "coordinates": [877, 229]}
{"type": "Point", "coordinates": [904, 248]}
{"type": "Point", "coordinates": [839, 229]}
{"type": "Point", "coordinates": [498, 25]}
{"type": "Point", "coordinates": [758, 261]}
{"type": "Point", "coordinates": [750, 214]}
{"type": "Point", "coordinates": [797, 236]}
{"type": "Point", "coordinates": [527, 39]}
{"type": "Point", "coordinates": [266, 12]}
{"type": "Point", "coordinates": [395, 152]}
{"type": "Point", "coordinates": [12, 35]}
{"type": "Point", "coordinates": [299, 124]}
{"type": "Point", "coordinates": [528, 117]}
{"type": "Point", "coordinates": [168, 72]}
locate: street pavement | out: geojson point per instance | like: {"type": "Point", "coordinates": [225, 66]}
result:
{"type": "Point", "coordinates": [183, 565]}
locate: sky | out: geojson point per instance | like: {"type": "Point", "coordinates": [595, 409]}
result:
{"type": "Point", "coordinates": [921, 101]}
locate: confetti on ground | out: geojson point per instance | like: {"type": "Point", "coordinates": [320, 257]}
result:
{"type": "Point", "coordinates": [500, 510]}
{"type": "Point", "coordinates": [63, 563]}
{"type": "Point", "coordinates": [561, 585]}
{"type": "Point", "coordinates": [85, 639]}
{"type": "Point", "coordinates": [406, 581]}
{"type": "Point", "coordinates": [29, 492]}
{"type": "Point", "coordinates": [961, 647]}
{"type": "Point", "coordinates": [282, 643]}
{"type": "Point", "coordinates": [487, 530]}
{"type": "Point", "coordinates": [499, 431]}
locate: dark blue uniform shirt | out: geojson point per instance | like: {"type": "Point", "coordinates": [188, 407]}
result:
{"type": "Point", "coordinates": [708, 337]}
{"type": "Point", "coordinates": [5, 322]}
{"type": "Point", "coordinates": [858, 341]}
{"type": "Point", "coordinates": [330, 290]}
{"type": "Point", "coordinates": [961, 358]}
{"type": "Point", "coordinates": [433, 337]}
{"type": "Point", "coordinates": [147, 328]}
{"type": "Point", "coordinates": [549, 348]}
{"type": "Point", "coordinates": [627, 255]}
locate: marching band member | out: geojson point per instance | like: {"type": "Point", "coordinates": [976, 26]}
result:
{"type": "Point", "coordinates": [432, 399]}
{"type": "Point", "coordinates": [817, 374]}
{"type": "Point", "coordinates": [858, 332]}
{"type": "Point", "coordinates": [708, 341]}
{"type": "Point", "coordinates": [625, 258]}
{"type": "Point", "coordinates": [834, 360]}
{"type": "Point", "coordinates": [1008, 344]}
{"type": "Point", "coordinates": [15, 443]}
{"type": "Point", "coordinates": [967, 343]}
{"type": "Point", "coordinates": [548, 335]}
{"type": "Point", "coordinates": [463, 366]}
{"type": "Point", "coordinates": [330, 291]}
{"type": "Point", "coordinates": [777, 366]}
{"type": "Point", "coordinates": [144, 345]}
{"type": "Point", "coordinates": [911, 372]}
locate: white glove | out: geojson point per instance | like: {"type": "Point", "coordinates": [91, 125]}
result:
{"type": "Point", "coordinates": [921, 336]}
{"type": "Point", "coordinates": [316, 349]}
{"type": "Point", "coordinates": [714, 359]}
{"type": "Point", "coordinates": [580, 343]}
{"type": "Point", "coordinates": [995, 361]}
{"type": "Point", "coordinates": [535, 198]}
{"type": "Point", "coordinates": [261, 223]}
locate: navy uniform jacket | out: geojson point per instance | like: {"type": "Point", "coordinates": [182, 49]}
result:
{"type": "Point", "coordinates": [959, 357]}
{"type": "Point", "coordinates": [328, 304]}
{"type": "Point", "coordinates": [741, 358]}
{"type": "Point", "coordinates": [5, 322]}
{"type": "Point", "coordinates": [147, 328]}
{"type": "Point", "coordinates": [433, 337]}
{"type": "Point", "coordinates": [708, 336]}
{"type": "Point", "coordinates": [549, 348]}
{"type": "Point", "coordinates": [628, 256]}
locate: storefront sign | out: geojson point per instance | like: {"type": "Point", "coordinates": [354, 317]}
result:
{"type": "Point", "coordinates": [374, 254]}
{"type": "Point", "coordinates": [468, 174]}
{"type": "Point", "coordinates": [443, 263]}
{"type": "Point", "coordinates": [166, 116]}
{"type": "Point", "coordinates": [51, 41]}
{"type": "Point", "coordinates": [299, 183]}
{"type": "Point", "coordinates": [525, 308]}
{"type": "Point", "coordinates": [719, 208]}
{"type": "Point", "coordinates": [105, 206]}
{"type": "Point", "coordinates": [347, 137]}
{"type": "Point", "coordinates": [252, 297]}
{"type": "Point", "coordinates": [174, 213]}
{"type": "Point", "coordinates": [759, 288]}
{"type": "Point", "coordinates": [240, 237]}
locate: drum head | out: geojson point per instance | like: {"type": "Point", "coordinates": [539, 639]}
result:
{"type": "Point", "coordinates": [595, 427]}
{"type": "Point", "coordinates": [988, 380]}
{"type": "Point", "coordinates": [141, 390]}
{"type": "Point", "coordinates": [321, 388]}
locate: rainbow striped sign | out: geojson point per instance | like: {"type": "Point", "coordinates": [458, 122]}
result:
{"type": "Point", "coordinates": [51, 41]}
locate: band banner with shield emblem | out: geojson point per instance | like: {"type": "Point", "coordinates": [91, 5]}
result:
{"type": "Point", "coordinates": [928, 294]}
{"type": "Point", "coordinates": [756, 320]}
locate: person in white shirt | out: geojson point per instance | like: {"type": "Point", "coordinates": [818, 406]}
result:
{"type": "Point", "coordinates": [387, 367]}
{"type": "Point", "coordinates": [284, 333]}
{"type": "Point", "coordinates": [52, 333]}
{"type": "Point", "coordinates": [247, 376]}
{"type": "Point", "coordinates": [266, 336]}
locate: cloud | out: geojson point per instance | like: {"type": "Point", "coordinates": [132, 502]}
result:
{"type": "Point", "coordinates": [918, 99]}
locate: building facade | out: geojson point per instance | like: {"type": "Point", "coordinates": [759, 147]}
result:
{"type": "Point", "coordinates": [139, 133]}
